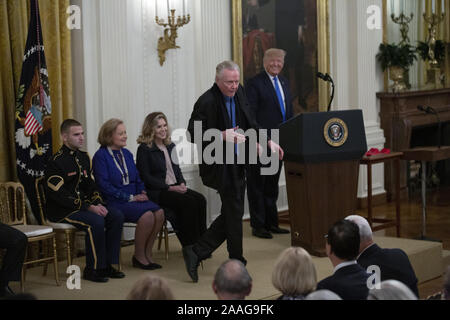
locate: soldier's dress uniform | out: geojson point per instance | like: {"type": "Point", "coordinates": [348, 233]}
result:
{"type": "Point", "coordinates": [70, 191]}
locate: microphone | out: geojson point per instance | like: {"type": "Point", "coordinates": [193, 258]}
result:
{"type": "Point", "coordinates": [326, 77]}
{"type": "Point", "coordinates": [430, 110]}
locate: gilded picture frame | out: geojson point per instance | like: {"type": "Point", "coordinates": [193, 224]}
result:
{"type": "Point", "coordinates": [321, 94]}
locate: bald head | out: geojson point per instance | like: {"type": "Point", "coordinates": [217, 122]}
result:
{"type": "Point", "coordinates": [232, 281]}
{"type": "Point", "coordinates": [365, 232]}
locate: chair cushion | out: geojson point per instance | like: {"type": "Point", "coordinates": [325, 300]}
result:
{"type": "Point", "coordinates": [33, 230]}
{"type": "Point", "coordinates": [64, 226]}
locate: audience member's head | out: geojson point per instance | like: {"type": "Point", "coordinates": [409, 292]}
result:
{"type": "Point", "coordinates": [294, 274]}
{"type": "Point", "coordinates": [391, 290]}
{"type": "Point", "coordinates": [365, 231]}
{"type": "Point", "coordinates": [151, 287]}
{"type": "Point", "coordinates": [323, 295]}
{"type": "Point", "coordinates": [232, 281]}
{"type": "Point", "coordinates": [343, 242]}
{"type": "Point", "coordinates": [446, 289]}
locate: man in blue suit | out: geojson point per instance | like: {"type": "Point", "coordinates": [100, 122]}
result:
{"type": "Point", "coordinates": [394, 264]}
{"type": "Point", "coordinates": [270, 101]}
{"type": "Point", "coordinates": [349, 279]}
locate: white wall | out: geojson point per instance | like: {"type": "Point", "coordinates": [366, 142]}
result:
{"type": "Point", "coordinates": [357, 75]}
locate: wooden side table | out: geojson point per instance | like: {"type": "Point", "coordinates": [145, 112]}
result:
{"type": "Point", "coordinates": [369, 161]}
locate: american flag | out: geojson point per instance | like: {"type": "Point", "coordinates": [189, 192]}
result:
{"type": "Point", "coordinates": [32, 124]}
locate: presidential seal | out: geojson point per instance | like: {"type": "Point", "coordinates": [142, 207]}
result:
{"type": "Point", "coordinates": [335, 132]}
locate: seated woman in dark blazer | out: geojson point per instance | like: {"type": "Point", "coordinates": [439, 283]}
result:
{"type": "Point", "coordinates": [164, 181]}
{"type": "Point", "coordinates": [118, 180]}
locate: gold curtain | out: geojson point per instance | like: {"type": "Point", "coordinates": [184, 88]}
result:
{"type": "Point", "coordinates": [14, 19]}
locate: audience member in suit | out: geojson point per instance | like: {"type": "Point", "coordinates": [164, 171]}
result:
{"type": "Point", "coordinates": [119, 183]}
{"type": "Point", "coordinates": [294, 274]}
{"type": "Point", "coordinates": [270, 99]}
{"type": "Point", "coordinates": [232, 281]}
{"type": "Point", "coordinates": [393, 263]}
{"type": "Point", "coordinates": [158, 166]}
{"type": "Point", "coordinates": [151, 287]}
{"type": "Point", "coordinates": [222, 110]}
{"type": "Point", "coordinates": [391, 290]}
{"type": "Point", "coordinates": [323, 295]}
{"type": "Point", "coordinates": [15, 242]}
{"type": "Point", "coordinates": [73, 197]}
{"type": "Point", "coordinates": [349, 279]}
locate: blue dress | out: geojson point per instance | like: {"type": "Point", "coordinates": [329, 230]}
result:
{"type": "Point", "coordinates": [110, 176]}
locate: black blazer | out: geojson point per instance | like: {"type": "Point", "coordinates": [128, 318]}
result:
{"type": "Point", "coordinates": [394, 264]}
{"type": "Point", "coordinates": [349, 282]}
{"type": "Point", "coordinates": [151, 164]}
{"type": "Point", "coordinates": [263, 100]}
{"type": "Point", "coordinates": [210, 110]}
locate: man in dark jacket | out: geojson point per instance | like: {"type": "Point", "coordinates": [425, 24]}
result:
{"type": "Point", "coordinates": [394, 264]}
{"type": "Point", "coordinates": [349, 279]}
{"type": "Point", "coordinates": [223, 108]}
{"type": "Point", "coordinates": [72, 197]}
{"type": "Point", "coordinates": [15, 242]}
{"type": "Point", "coordinates": [270, 100]}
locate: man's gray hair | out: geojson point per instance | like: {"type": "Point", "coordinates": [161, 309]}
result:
{"type": "Point", "coordinates": [323, 295]}
{"type": "Point", "coordinates": [365, 232]}
{"type": "Point", "coordinates": [391, 290]}
{"type": "Point", "coordinates": [232, 277]}
{"type": "Point", "coordinates": [226, 65]}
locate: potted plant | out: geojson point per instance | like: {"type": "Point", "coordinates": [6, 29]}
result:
{"type": "Point", "coordinates": [397, 58]}
{"type": "Point", "coordinates": [438, 54]}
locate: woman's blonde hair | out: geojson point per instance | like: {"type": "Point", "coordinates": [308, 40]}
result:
{"type": "Point", "coordinates": [107, 130]}
{"type": "Point", "coordinates": [148, 129]}
{"type": "Point", "coordinates": [151, 287]}
{"type": "Point", "coordinates": [294, 273]}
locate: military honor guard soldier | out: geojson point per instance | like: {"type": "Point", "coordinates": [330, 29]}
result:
{"type": "Point", "coordinates": [72, 197]}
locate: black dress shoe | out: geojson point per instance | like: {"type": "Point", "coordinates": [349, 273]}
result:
{"type": "Point", "coordinates": [94, 275]}
{"type": "Point", "coordinates": [110, 272]}
{"type": "Point", "coordinates": [262, 233]}
{"type": "Point", "coordinates": [192, 261]}
{"type": "Point", "coordinates": [278, 230]}
{"type": "Point", "coordinates": [150, 266]}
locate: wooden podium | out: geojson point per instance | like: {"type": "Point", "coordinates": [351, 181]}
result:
{"type": "Point", "coordinates": [321, 173]}
{"type": "Point", "coordinates": [424, 154]}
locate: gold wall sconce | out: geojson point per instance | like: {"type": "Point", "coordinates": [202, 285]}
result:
{"type": "Point", "coordinates": [168, 41]}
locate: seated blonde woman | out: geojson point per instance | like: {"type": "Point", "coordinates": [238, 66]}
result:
{"type": "Point", "coordinates": [294, 274]}
{"type": "Point", "coordinates": [118, 180]}
{"type": "Point", "coordinates": [151, 287]}
{"type": "Point", "coordinates": [164, 180]}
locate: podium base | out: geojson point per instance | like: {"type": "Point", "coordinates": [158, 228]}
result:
{"type": "Point", "coordinates": [316, 251]}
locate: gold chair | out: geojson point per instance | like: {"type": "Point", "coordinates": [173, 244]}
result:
{"type": "Point", "coordinates": [66, 229]}
{"type": "Point", "coordinates": [164, 233]}
{"type": "Point", "coordinates": [13, 213]}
